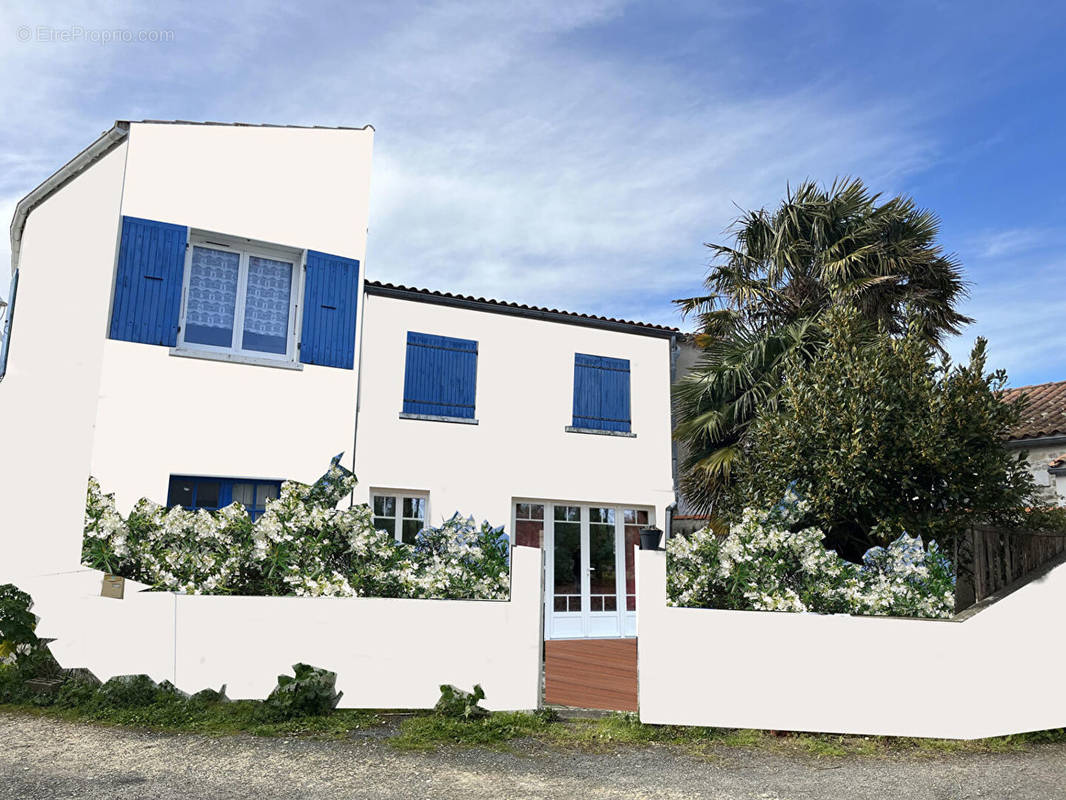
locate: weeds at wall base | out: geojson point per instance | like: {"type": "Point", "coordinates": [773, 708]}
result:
{"type": "Point", "coordinates": [424, 731]}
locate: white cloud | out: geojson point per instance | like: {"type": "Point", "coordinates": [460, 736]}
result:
{"type": "Point", "coordinates": [1019, 303]}
{"type": "Point", "coordinates": [511, 160]}
{"type": "Point", "coordinates": [1011, 242]}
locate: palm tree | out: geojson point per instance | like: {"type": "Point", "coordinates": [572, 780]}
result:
{"type": "Point", "coordinates": [766, 294]}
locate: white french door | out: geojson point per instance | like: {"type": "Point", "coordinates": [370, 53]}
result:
{"type": "Point", "coordinates": [589, 580]}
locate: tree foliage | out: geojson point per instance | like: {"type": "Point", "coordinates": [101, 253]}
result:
{"type": "Point", "coordinates": [880, 435]}
{"type": "Point", "coordinates": [768, 291]}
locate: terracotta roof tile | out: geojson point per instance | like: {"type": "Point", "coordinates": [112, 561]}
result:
{"type": "Point", "coordinates": [1045, 412]}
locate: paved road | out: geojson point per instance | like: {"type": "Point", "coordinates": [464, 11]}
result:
{"type": "Point", "coordinates": [44, 758]}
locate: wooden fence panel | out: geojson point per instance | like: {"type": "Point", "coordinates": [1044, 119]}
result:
{"type": "Point", "coordinates": [999, 557]}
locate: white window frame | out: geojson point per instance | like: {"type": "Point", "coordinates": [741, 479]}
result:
{"type": "Point", "coordinates": [247, 249]}
{"type": "Point", "coordinates": [398, 495]}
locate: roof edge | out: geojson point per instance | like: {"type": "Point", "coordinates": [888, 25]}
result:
{"type": "Point", "coordinates": [380, 289]}
{"type": "Point", "coordinates": [1046, 440]}
{"type": "Point", "coordinates": [368, 126]}
{"type": "Point", "coordinates": [104, 144]}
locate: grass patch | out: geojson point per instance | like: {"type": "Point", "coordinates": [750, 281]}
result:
{"type": "Point", "coordinates": [497, 731]}
{"type": "Point", "coordinates": [213, 719]}
{"type": "Point", "coordinates": [428, 732]}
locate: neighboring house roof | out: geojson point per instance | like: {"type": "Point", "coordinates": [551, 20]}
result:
{"type": "Point", "coordinates": [516, 309]}
{"type": "Point", "coordinates": [1045, 411]}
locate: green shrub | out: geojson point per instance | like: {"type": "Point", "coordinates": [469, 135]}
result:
{"type": "Point", "coordinates": [206, 697]}
{"type": "Point", "coordinates": [133, 691]}
{"type": "Point", "coordinates": [77, 691]}
{"type": "Point", "coordinates": [879, 435]}
{"type": "Point", "coordinates": [17, 624]}
{"type": "Point", "coordinates": [11, 684]}
{"type": "Point", "coordinates": [762, 564]}
{"type": "Point", "coordinates": [311, 691]}
{"type": "Point", "coordinates": [303, 544]}
{"type": "Point", "coordinates": [457, 704]}
{"type": "Point", "coordinates": [1045, 518]}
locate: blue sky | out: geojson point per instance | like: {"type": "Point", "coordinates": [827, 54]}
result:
{"type": "Point", "coordinates": [577, 154]}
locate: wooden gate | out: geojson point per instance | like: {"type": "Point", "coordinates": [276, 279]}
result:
{"type": "Point", "coordinates": [591, 673]}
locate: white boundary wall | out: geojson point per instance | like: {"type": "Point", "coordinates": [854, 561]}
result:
{"type": "Point", "coordinates": [995, 673]}
{"type": "Point", "coordinates": [387, 653]}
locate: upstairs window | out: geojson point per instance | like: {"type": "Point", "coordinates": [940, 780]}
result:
{"type": "Point", "coordinates": [601, 394]}
{"type": "Point", "coordinates": [402, 515]}
{"type": "Point", "coordinates": [211, 494]}
{"type": "Point", "coordinates": [240, 300]}
{"type": "Point", "coordinates": [7, 319]}
{"type": "Point", "coordinates": [233, 300]}
{"type": "Point", "coordinates": [440, 378]}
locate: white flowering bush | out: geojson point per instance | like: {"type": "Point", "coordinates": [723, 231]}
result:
{"type": "Point", "coordinates": [302, 544]}
{"type": "Point", "coordinates": [762, 565]}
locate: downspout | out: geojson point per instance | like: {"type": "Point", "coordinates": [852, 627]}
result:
{"type": "Point", "coordinates": [358, 387]}
{"type": "Point", "coordinates": [106, 142]}
{"type": "Point", "coordinates": [675, 349]}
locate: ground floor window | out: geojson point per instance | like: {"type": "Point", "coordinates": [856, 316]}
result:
{"type": "Point", "coordinates": [529, 524]}
{"type": "Point", "coordinates": [196, 492]}
{"type": "Point", "coordinates": [402, 514]}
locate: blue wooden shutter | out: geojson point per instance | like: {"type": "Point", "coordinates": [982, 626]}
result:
{"type": "Point", "coordinates": [601, 393]}
{"type": "Point", "coordinates": [331, 296]}
{"type": "Point", "coordinates": [151, 269]}
{"type": "Point", "coordinates": [440, 377]}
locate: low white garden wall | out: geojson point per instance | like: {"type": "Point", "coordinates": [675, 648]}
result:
{"type": "Point", "coordinates": [387, 653]}
{"type": "Point", "coordinates": [995, 673]}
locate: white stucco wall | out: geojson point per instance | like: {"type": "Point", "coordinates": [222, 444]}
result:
{"type": "Point", "coordinates": [995, 673]}
{"type": "Point", "coordinates": [301, 187]}
{"type": "Point", "coordinates": [387, 653]}
{"type": "Point", "coordinates": [161, 415]}
{"type": "Point", "coordinates": [75, 402]}
{"type": "Point", "coordinates": [48, 398]}
{"type": "Point", "coordinates": [519, 448]}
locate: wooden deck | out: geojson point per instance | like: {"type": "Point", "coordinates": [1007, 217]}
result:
{"type": "Point", "coordinates": [591, 673]}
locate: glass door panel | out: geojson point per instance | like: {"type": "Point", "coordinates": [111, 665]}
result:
{"type": "Point", "coordinates": [566, 585]}
{"type": "Point", "coordinates": [635, 519]}
{"type": "Point", "coordinates": [603, 571]}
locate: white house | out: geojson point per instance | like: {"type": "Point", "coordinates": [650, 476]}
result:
{"type": "Point", "coordinates": [192, 324]}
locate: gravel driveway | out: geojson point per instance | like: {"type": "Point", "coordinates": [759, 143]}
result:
{"type": "Point", "coordinates": [45, 758]}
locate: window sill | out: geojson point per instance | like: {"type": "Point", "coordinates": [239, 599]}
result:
{"type": "Point", "coordinates": [434, 418]}
{"type": "Point", "coordinates": [598, 432]}
{"type": "Point", "coordinates": [235, 358]}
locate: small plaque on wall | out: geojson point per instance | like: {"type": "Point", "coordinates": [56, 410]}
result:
{"type": "Point", "coordinates": [114, 586]}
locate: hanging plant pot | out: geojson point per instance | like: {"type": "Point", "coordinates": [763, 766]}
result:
{"type": "Point", "coordinates": [650, 538]}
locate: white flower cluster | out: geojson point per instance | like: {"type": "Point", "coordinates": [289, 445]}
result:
{"type": "Point", "coordinates": [761, 565]}
{"type": "Point", "coordinates": [303, 544]}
